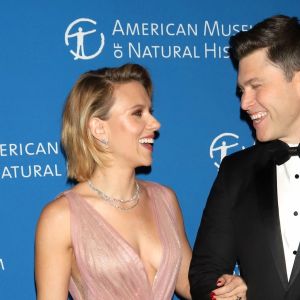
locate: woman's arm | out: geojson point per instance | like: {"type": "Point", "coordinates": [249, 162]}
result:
{"type": "Point", "coordinates": [53, 252]}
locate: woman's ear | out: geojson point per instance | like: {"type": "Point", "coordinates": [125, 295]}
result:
{"type": "Point", "coordinates": [98, 131]}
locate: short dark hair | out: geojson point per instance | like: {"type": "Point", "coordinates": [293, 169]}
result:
{"type": "Point", "coordinates": [279, 34]}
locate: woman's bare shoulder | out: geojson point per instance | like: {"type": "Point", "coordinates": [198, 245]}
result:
{"type": "Point", "coordinates": [55, 218]}
{"type": "Point", "coordinates": [57, 212]}
{"type": "Point", "coordinates": [56, 209]}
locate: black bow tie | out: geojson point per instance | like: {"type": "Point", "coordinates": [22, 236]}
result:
{"type": "Point", "coordinates": [283, 152]}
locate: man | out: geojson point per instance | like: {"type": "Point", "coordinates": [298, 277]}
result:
{"type": "Point", "coordinates": [252, 216]}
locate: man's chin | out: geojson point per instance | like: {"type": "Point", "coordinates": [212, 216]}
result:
{"type": "Point", "coordinates": [264, 138]}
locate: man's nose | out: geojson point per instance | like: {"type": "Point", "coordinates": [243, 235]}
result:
{"type": "Point", "coordinates": [247, 100]}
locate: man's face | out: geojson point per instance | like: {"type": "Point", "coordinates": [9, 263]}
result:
{"type": "Point", "coordinates": [271, 101]}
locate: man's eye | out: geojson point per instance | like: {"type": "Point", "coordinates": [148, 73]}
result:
{"type": "Point", "coordinates": [255, 86]}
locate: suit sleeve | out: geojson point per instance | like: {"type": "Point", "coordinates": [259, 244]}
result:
{"type": "Point", "coordinates": [214, 252]}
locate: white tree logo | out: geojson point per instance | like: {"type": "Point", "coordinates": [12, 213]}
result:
{"type": "Point", "coordinates": [80, 36]}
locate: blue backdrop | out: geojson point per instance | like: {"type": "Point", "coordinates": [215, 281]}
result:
{"type": "Point", "coordinates": [46, 45]}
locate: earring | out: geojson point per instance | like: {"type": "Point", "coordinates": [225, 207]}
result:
{"type": "Point", "coordinates": [104, 142]}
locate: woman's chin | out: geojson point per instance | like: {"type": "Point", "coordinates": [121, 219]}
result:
{"type": "Point", "coordinates": [145, 164]}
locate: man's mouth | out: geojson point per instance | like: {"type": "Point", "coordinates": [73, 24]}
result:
{"type": "Point", "coordinates": [257, 117]}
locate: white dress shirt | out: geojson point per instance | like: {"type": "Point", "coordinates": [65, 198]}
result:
{"type": "Point", "coordinates": [288, 189]}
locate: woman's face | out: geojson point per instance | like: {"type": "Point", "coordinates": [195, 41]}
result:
{"type": "Point", "coordinates": [131, 126]}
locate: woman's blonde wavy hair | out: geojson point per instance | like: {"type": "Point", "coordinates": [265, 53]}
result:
{"type": "Point", "coordinates": [92, 96]}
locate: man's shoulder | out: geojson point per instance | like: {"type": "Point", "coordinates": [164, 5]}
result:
{"type": "Point", "coordinates": [246, 157]}
{"type": "Point", "coordinates": [245, 153]}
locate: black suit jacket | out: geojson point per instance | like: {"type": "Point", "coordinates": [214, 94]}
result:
{"type": "Point", "coordinates": [240, 223]}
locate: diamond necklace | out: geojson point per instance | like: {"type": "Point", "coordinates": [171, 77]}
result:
{"type": "Point", "coordinates": [118, 203]}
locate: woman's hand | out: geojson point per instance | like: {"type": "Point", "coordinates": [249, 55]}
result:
{"type": "Point", "coordinates": [230, 287]}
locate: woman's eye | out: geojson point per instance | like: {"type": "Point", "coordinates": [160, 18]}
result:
{"type": "Point", "coordinates": [138, 113]}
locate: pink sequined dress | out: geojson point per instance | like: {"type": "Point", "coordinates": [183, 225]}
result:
{"type": "Point", "coordinates": [109, 268]}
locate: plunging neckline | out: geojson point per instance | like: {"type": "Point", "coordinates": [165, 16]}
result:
{"type": "Point", "coordinates": [122, 240]}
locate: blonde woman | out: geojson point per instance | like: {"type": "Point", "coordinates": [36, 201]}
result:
{"type": "Point", "coordinates": [111, 236]}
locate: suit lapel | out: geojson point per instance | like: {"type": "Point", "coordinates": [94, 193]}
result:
{"type": "Point", "coordinates": [266, 183]}
{"type": "Point", "coordinates": [296, 267]}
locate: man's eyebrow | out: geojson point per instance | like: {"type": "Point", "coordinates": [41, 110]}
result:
{"type": "Point", "coordinates": [248, 82]}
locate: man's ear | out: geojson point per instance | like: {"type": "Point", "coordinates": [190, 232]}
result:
{"type": "Point", "coordinates": [296, 79]}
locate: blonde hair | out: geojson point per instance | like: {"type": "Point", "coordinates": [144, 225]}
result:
{"type": "Point", "coordinates": [92, 96]}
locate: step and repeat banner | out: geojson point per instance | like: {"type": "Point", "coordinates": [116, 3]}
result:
{"type": "Point", "coordinates": [46, 45]}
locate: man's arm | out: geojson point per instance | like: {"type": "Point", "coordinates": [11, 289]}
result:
{"type": "Point", "coordinates": [214, 251]}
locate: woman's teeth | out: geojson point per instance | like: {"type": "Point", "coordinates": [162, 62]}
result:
{"type": "Point", "coordinates": [146, 141]}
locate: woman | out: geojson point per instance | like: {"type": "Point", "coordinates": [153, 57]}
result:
{"type": "Point", "coordinates": [112, 236]}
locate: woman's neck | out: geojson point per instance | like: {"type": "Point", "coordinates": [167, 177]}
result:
{"type": "Point", "coordinates": [118, 183]}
